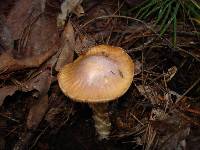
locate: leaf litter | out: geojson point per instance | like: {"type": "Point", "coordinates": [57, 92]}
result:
{"type": "Point", "coordinates": [67, 47]}
{"type": "Point", "coordinates": [159, 111]}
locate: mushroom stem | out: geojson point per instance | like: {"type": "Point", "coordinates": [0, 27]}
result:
{"type": "Point", "coordinates": [101, 119]}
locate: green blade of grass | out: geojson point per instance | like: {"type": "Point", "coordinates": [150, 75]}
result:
{"type": "Point", "coordinates": [171, 19]}
{"type": "Point", "coordinates": [151, 12]}
{"type": "Point", "coordinates": [193, 11]}
{"type": "Point", "coordinates": [144, 12]}
{"type": "Point", "coordinates": [166, 17]}
{"type": "Point", "coordinates": [196, 4]}
{"type": "Point", "coordinates": [140, 5]}
{"type": "Point", "coordinates": [174, 31]}
{"type": "Point", "coordinates": [146, 8]}
{"type": "Point", "coordinates": [163, 10]}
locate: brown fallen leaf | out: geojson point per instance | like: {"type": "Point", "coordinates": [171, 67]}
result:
{"type": "Point", "coordinates": [59, 114]}
{"type": "Point", "coordinates": [7, 91]}
{"type": "Point", "coordinates": [67, 47]}
{"type": "Point", "coordinates": [170, 73]}
{"type": "Point", "coordinates": [33, 30]}
{"type": "Point", "coordinates": [37, 112]}
{"type": "Point", "coordinates": [170, 130]}
{"type": "Point", "coordinates": [6, 40]}
{"type": "Point", "coordinates": [16, 17]}
{"type": "Point", "coordinates": [51, 115]}
{"type": "Point", "coordinates": [137, 67]}
{"type": "Point", "coordinates": [9, 64]}
{"type": "Point", "coordinates": [41, 83]}
{"type": "Point", "coordinates": [150, 93]}
{"type": "Point", "coordinates": [83, 43]}
{"type": "Point", "coordinates": [43, 35]}
{"type": "Point", "coordinates": [78, 10]}
{"type": "Point", "coordinates": [67, 7]}
{"type": "Point", "coordinates": [36, 35]}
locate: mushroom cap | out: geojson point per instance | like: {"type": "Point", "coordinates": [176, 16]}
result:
{"type": "Point", "coordinates": [101, 75]}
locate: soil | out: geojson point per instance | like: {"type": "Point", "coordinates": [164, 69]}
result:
{"type": "Point", "coordinates": [161, 109]}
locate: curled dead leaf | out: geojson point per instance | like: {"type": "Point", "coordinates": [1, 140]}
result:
{"type": "Point", "coordinates": [51, 114]}
{"type": "Point", "coordinates": [83, 43]}
{"type": "Point", "coordinates": [17, 16]}
{"type": "Point", "coordinates": [7, 91]}
{"type": "Point", "coordinates": [150, 93]}
{"type": "Point", "coordinates": [37, 112]}
{"type": "Point", "coordinates": [170, 129]}
{"type": "Point", "coordinates": [67, 7]}
{"type": "Point", "coordinates": [78, 10]}
{"type": "Point", "coordinates": [67, 47]}
{"type": "Point", "coordinates": [9, 64]}
{"type": "Point", "coordinates": [6, 40]}
{"type": "Point", "coordinates": [170, 73]}
{"type": "Point", "coordinates": [137, 67]}
{"type": "Point", "coordinates": [40, 83]}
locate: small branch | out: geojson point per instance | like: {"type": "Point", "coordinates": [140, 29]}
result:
{"type": "Point", "coordinates": [188, 90]}
{"type": "Point", "coordinates": [170, 45]}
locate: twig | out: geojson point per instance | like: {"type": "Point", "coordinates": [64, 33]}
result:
{"type": "Point", "coordinates": [189, 53]}
{"type": "Point", "coordinates": [12, 119]}
{"type": "Point", "coordinates": [170, 45]}
{"type": "Point", "coordinates": [38, 137]}
{"type": "Point", "coordinates": [115, 16]}
{"type": "Point", "coordinates": [137, 119]}
{"type": "Point", "coordinates": [188, 90]}
{"type": "Point", "coordinates": [141, 47]}
{"type": "Point", "coordinates": [189, 119]}
{"type": "Point", "coordinates": [193, 111]}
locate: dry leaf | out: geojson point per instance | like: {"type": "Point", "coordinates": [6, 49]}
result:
{"type": "Point", "coordinates": [17, 16]}
{"type": "Point", "coordinates": [41, 83]}
{"type": "Point", "coordinates": [156, 96]}
{"type": "Point", "coordinates": [166, 130]}
{"type": "Point", "coordinates": [37, 112]}
{"type": "Point", "coordinates": [9, 64]}
{"type": "Point", "coordinates": [43, 35]}
{"type": "Point", "coordinates": [78, 10]}
{"type": "Point", "coordinates": [6, 40]}
{"type": "Point", "coordinates": [172, 96]}
{"type": "Point", "coordinates": [67, 7]}
{"type": "Point", "coordinates": [33, 31]}
{"type": "Point", "coordinates": [83, 43]}
{"type": "Point", "coordinates": [170, 73]}
{"type": "Point", "coordinates": [137, 67]}
{"type": "Point", "coordinates": [67, 47]}
{"type": "Point", "coordinates": [51, 114]}
{"type": "Point", "coordinates": [149, 93]}
{"type": "Point", "coordinates": [158, 114]}
{"type": "Point", "coordinates": [7, 91]}
{"type": "Point", "coordinates": [171, 130]}
{"type": "Point", "coordinates": [43, 5]}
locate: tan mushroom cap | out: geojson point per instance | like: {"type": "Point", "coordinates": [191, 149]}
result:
{"type": "Point", "coordinates": [103, 74]}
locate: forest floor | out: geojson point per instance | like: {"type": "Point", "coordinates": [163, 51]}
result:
{"type": "Point", "coordinates": [161, 109]}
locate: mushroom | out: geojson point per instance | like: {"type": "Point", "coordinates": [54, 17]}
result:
{"type": "Point", "coordinates": [102, 74]}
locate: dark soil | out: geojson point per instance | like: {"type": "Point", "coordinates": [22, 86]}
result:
{"type": "Point", "coordinates": [35, 114]}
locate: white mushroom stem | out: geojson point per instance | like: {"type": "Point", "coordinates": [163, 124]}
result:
{"type": "Point", "coordinates": [101, 119]}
